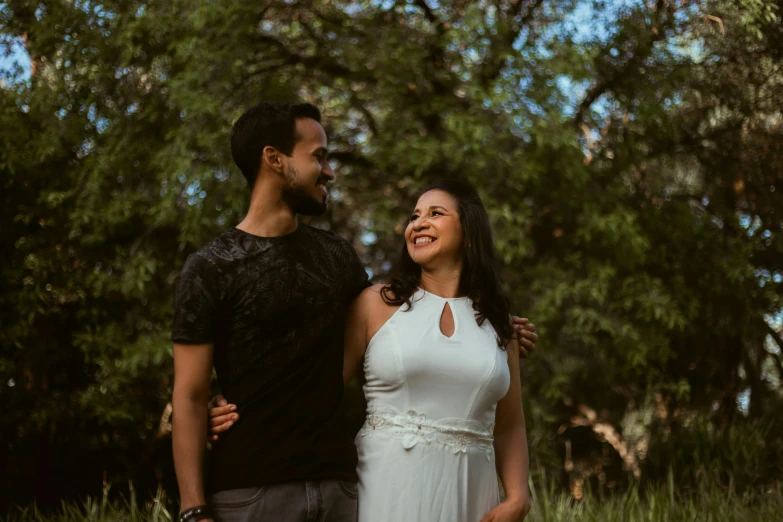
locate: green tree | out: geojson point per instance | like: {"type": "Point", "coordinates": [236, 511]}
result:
{"type": "Point", "coordinates": [629, 156]}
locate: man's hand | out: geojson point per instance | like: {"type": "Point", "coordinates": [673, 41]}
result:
{"type": "Point", "coordinates": [526, 335]}
{"type": "Point", "coordinates": [222, 416]}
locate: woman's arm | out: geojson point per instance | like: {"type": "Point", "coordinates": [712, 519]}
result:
{"type": "Point", "coordinates": [223, 415]}
{"type": "Point", "coordinates": [511, 446]}
{"type": "Point", "coordinates": [356, 332]}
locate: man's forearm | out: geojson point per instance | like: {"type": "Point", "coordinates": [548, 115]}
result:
{"type": "Point", "coordinates": [189, 435]}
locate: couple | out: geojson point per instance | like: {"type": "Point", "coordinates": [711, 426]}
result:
{"type": "Point", "coordinates": [279, 308]}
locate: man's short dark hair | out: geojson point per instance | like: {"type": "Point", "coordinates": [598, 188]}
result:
{"type": "Point", "coordinates": [268, 124]}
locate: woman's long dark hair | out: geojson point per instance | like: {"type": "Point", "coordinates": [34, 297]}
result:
{"type": "Point", "coordinates": [479, 280]}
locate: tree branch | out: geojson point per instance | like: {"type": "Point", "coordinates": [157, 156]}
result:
{"type": "Point", "coordinates": [604, 431]}
{"type": "Point", "coordinates": [321, 63]}
{"type": "Point", "coordinates": [434, 20]}
{"type": "Point", "coordinates": [436, 58]}
{"type": "Point", "coordinates": [350, 157]}
{"type": "Point", "coordinates": [504, 42]}
{"type": "Point", "coordinates": [366, 113]}
{"type": "Point", "coordinates": [23, 19]}
{"type": "Point", "coordinates": [779, 341]}
{"type": "Point", "coordinates": [664, 18]}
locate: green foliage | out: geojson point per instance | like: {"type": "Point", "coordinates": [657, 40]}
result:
{"type": "Point", "coordinates": [630, 166]}
{"type": "Point", "coordinates": [743, 456]}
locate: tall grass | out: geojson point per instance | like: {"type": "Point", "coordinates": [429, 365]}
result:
{"type": "Point", "coordinates": [663, 503]}
{"type": "Point", "coordinates": [660, 503]}
{"type": "Point", "coordinates": [99, 510]}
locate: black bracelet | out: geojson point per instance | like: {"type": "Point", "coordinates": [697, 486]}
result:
{"type": "Point", "coordinates": [194, 514]}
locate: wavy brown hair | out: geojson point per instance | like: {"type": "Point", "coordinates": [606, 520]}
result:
{"type": "Point", "coordinates": [479, 279]}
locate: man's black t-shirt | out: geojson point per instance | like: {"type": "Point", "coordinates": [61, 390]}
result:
{"type": "Point", "coordinates": [274, 309]}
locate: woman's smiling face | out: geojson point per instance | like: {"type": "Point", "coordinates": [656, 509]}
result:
{"type": "Point", "coordinates": [434, 232]}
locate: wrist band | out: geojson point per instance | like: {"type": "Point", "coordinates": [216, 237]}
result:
{"type": "Point", "coordinates": [194, 514]}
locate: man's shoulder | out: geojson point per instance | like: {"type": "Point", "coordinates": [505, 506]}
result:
{"type": "Point", "coordinates": [329, 238]}
{"type": "Point", "coordinates": [325, 234]}
{"type": "Point", "coordinates": [221, 250]}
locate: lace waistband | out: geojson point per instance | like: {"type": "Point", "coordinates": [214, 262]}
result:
{"type": "Point", "coordinates": [413, 428]}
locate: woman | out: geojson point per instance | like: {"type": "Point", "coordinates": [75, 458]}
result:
{"type": "Point", "coordinates": [444, 414]}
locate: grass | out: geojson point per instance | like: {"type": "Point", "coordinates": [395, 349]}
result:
{"type": "Point", "coordinates": [99, 510]}
{"type": "Point", "coordinates": [664, 503]}
{"type": "Point", "coordinates": [661, 504]}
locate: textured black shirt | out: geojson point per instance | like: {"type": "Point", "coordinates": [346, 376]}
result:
{"type": "Point", "coordinates": [274, 309]}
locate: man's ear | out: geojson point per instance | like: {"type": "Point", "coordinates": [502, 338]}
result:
{"type": "Point", "coordinates": [272, 157]}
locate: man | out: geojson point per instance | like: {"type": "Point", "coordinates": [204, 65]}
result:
{"type": "Point", "coordinates": [265, 304]}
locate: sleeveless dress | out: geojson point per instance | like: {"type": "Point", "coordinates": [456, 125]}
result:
{"type": "Point", "coordinates": [425, 450]}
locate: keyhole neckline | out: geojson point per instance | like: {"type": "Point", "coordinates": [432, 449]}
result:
{"type": "Point", "coordinates": [444, 298]}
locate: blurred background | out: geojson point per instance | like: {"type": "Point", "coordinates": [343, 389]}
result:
{"type": "Point", "coordinates": [630, 154]}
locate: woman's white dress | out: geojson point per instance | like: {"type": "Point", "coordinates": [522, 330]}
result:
{"type": "Point", "coordinates": [425, 450]}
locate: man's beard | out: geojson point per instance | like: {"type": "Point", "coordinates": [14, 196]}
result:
{"type": "Point", "coordinates": [298, 198]}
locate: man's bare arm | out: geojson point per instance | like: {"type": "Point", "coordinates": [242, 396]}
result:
{"type": "Point", "coordinates": [192, 378]}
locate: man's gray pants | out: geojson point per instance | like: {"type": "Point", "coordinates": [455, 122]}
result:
{"type": "Point", "coordinates": [304, 501]}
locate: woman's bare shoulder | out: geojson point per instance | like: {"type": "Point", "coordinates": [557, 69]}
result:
{"type": "Point", "coordinates": [377, 310]}
{"type": "Point", "coordinates": [370, 300]}
{"type": "Point", "coordinates": [371, 294]}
